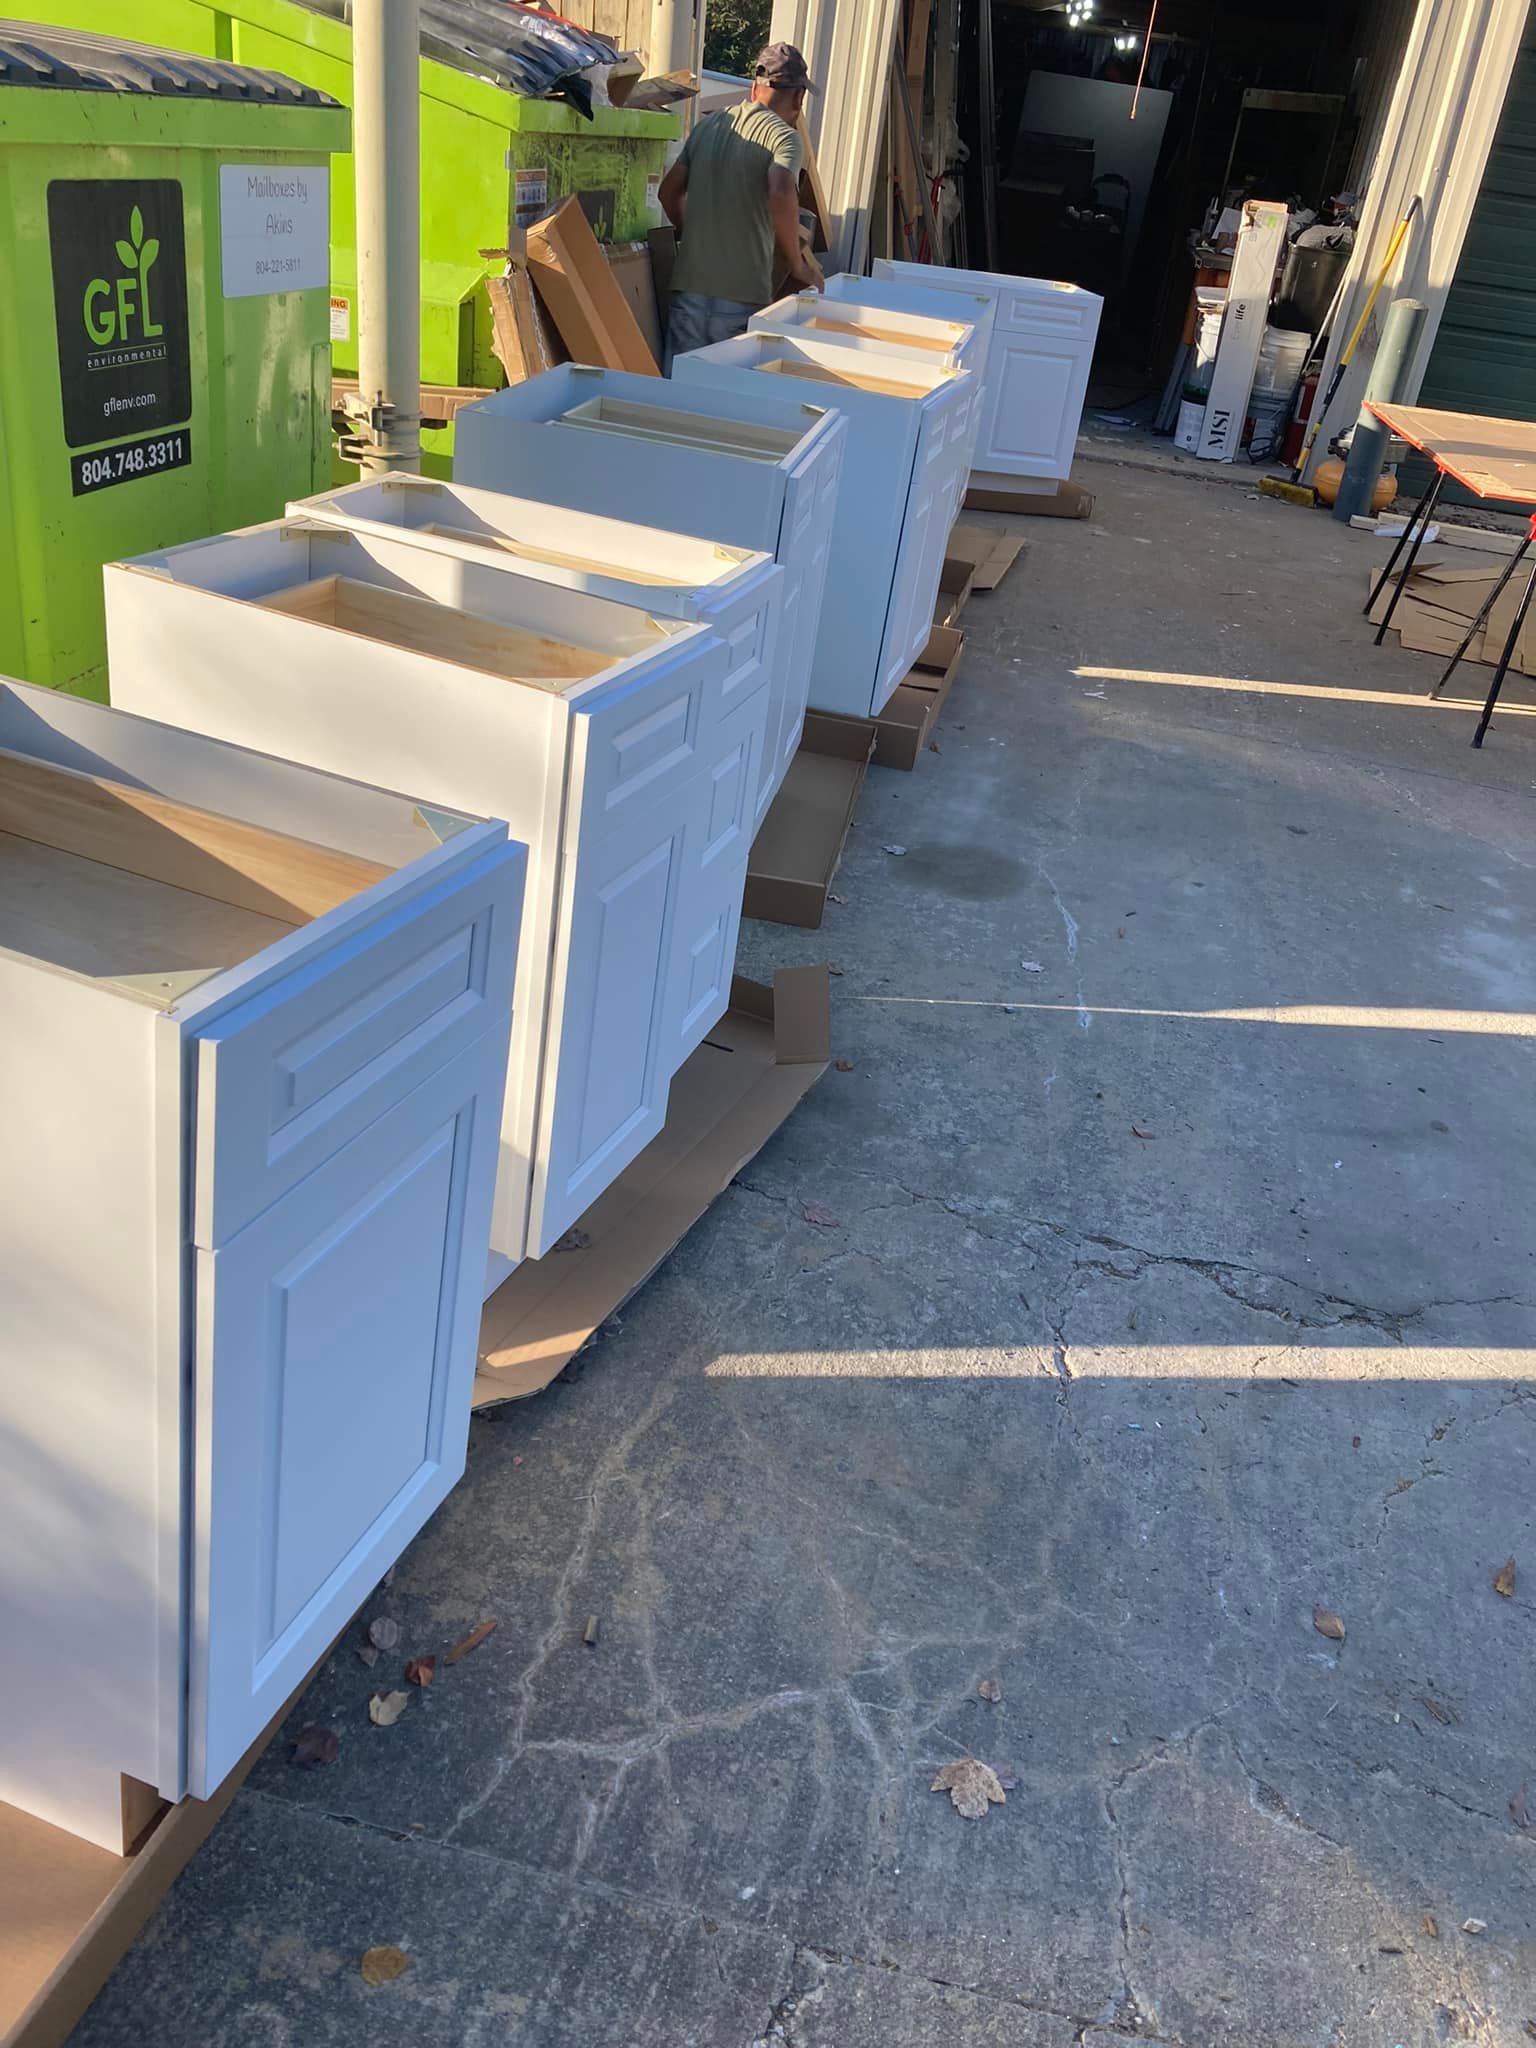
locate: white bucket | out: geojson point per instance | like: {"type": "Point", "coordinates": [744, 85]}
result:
{"type": "Point", "coordinates": [1282, 357]}
{"type": "Point", "coordinates": [1186, 434]}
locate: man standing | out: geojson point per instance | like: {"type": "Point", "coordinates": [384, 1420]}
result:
{"type": "Point", "coordinates": [733, 196]}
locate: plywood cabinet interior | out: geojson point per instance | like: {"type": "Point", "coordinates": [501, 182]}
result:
{"type": "Point", "coordinates": [761, 474]}
{"type": "Point", "coordinates": [893, 295]}
{"type": "Point", "coordinates": [910, 425]}
{"type": "Point", "coordinates": [875, 329]}
{"type": "Point", "coordinates": [623, 747]}
{"type": "Point", "coordinates": [1038, 360]}
{"type": "Point", "coordinates": [256, 1039]}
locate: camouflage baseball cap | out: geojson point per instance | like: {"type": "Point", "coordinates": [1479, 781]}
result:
{"type": "Point", "coordinates": [781, 64]}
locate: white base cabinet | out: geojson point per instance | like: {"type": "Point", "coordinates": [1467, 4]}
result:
{"type": "Point", "coordinates": [890, 295]}
{"type": "Point", "coordinates": [625, 747]}
{"type": "Point", "coordinates": [1038, 361]}
{"type": "Point", "coordinates": [761, 474]}
{"type": "Point", "coordinates": [910, 428]}
{"type": "Point", "coordinates": [256, 1036]}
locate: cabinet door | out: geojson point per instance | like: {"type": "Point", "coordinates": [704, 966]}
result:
{"type": "Point", "coordinates": [1037, 375]}
{"type": "Point", "coordinates": [717, 837]}
{"type": "Point", "coordinates": [334, 1358]}
{"type": "Point", "coordinates": [942, 459]}
{"type": "Point", "coordinates": [805, 540]}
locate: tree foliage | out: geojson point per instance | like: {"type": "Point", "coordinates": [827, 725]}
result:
{"type": "Point", "coordinates": [734, 32]}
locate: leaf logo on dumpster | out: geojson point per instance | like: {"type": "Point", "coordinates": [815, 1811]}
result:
{"type": "Point", "coordinates": [120, 310]}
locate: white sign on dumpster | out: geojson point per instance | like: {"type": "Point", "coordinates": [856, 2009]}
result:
{"type": "Point", "coordinates": [275, 228]}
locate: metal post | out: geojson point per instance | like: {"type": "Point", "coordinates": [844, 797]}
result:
{"type": "Point", "coordinates": [386, 148]}
{"type": "Point", "coordinates": [1389, 376]}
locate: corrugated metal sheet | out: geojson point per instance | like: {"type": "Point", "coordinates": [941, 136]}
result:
{"type": "Point", "coordinates": [1484, 357]}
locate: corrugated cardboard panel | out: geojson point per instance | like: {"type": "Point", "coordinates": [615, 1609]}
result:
{"type": "Point", "coordinates": [764, 1055]}
{"type": "Point", "coordinates": [800, 842]}
{"type": "Point", "coordinates": [573, 279]}
{"type": "Point", "coordinates": [991, 555]}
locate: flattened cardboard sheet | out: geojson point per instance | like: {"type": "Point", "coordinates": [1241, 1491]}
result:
{"type": "Point", "coordinates": [800, 843]}
{"type": "Point", "coordinates": [990, 555]}
{"type": "Point", "coordinates": [768, 1050]}
{"type": "Point", "coordinates": [572, 277]}
{"type": "Point", "coordinates": [630, 263]}
{"type": "Point", "coordinates": [955, 585]}
{"type": "Point", "coordinates": [1067, 501]}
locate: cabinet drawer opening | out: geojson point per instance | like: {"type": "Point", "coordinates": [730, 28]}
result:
{"type": "Point", "coordinates": [145, 894]}
{"type": "Point", "coordinates": [686, 429]}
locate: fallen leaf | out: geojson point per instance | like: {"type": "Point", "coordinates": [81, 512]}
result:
{"type": "Point", "coordinates": [822, 1218]}
{"type": "Point", "coordinates": [385, 1708]}
{"type": "Point", "coordinates": [574, 1241]}
{"type": "Point", "coordinates": [1130, 1321]}
{"type": "Point", "coordinates": [368, 1653]}
{"type": "Point", "coordinates": [990, 1689]}
{"type": "Point", "coordinates": [832, 966]}
{"type": "Point", "coordinates": [898, 851]}
{"type": "Point", "coordinates": [1443, 1714]}
{"type": "Point", "coordinates": [1474, 1926]}
{"type": "Point", "coordinates": [1504, 1580]}
{"type": "Point", "coordinates": [1328, 1624]}
{"type": "Point", "coordinates": [1135, 1133]}
{"type": "Point", "coordinates": [315, 1746]}
{"type": "Point", "coordinates": [589, 1632]}
{"type": "Point", "coordinates": [421, 1671]}
{"type": "Point", "coordinates": [383, 1635]}
{"type": "Point", "coordinates": [934, 747]}
{"type": "Point", "coordinates": [1007, 1775]}
{"type": "Point", "coordinates": [843, 1066]}
{"type": "Point", "coordinates": [832, 897]}
{"type": "Point", "coordinates": [383, 1965]}
{"type": "Point", "coordinates": [1520, 1811]}
{"type": "Point", "coordinates": [1431, 1926]}
{"type": "Point", "coordinates": [971, 1785]}
{"type": "Point", "coordinates": [472, 1641]}
{"type": "Point", "coordinates": [1354, 1443]}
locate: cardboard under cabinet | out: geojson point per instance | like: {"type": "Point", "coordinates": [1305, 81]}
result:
{"type": "Point", "coordinates": [956, 581]}
{"type": "Point", "coordinates": [764, 1055]}
{"type": "Point", "coordinates": [1037, 364]}
{"type": "Point", "coordinates": [759, 472]}
{"type": "Point", "coordinates": [1066, 501]}
{"type": "Point", "coordinates": [988, 555]}
{"type": "Point", "coordinates": [624, 745]}
{"type": "Point", "coordinates": [910, 427]}
{"type": "Point", "coordinates": [904, 727]}
{"type": "Point", "coordinates": [800, 843]}
{"type": "Point", "coordinates": [256, 1030]}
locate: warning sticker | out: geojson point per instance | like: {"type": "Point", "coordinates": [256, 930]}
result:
{"type": "Point", "coordinates": [341, 319]}
{"type": "Point", "coordinates": [530, 194]}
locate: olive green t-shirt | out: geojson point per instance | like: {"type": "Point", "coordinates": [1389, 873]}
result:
{"type": "Point", "coordinates": [726, 251]}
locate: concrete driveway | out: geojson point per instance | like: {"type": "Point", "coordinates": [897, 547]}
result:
{"type": "Point", "coordinates": [1174, 1278]}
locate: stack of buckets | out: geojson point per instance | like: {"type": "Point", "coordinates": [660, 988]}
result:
{"type": "Point", "coordinates": [1282, 358]}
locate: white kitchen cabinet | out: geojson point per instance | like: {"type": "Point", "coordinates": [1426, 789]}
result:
{"type": "Point", "coordinates": [861, 323]}
{"type": "Point", "coordinates": [893, 295]}
{"type": "Point", "coordinates": [626, 747]}
{"type": "Point", "coordinates": [910, 427]}
{"type": "Point", "coordinates": [759, 473]}
{"type": "Point", "coordinates": [1038, 361]}
{"type": "Point", "coordinates": [256, 1031]}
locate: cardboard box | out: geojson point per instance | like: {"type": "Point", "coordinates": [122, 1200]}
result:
{"type": "Point", "coordinates": [800, 842]}
{"type": "Point", "coordinates": [912, 709]}
{"type": "Point", "coordinates": [764, 1055]}
{"type": "Point", "coordinates": [955, 583]}
{"type": "Point", "coordinates": [571, 275]}
{"type": "Point", "coordinates": [630, 263]}
{"type": "Point", "coordinates": [989, 556]}
{"type": "Point", "coordinates": [1067, 501]}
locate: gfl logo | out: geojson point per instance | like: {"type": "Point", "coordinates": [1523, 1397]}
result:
{"type": "Point", "coordinates": [119, 310]}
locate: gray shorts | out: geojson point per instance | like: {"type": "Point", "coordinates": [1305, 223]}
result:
{"type": "Point", "coordinates": [696, 320]}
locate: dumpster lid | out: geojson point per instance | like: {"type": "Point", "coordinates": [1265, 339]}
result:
{"type": "Point", "coordinates": [517, 47]}
{"type": "Point", "coordinates": [68, 59]}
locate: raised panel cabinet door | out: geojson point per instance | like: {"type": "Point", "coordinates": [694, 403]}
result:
{"type": "Point", "coordinates": [334, 1360]}
{"type": "Point", "coordinates": [1037, 376]}
{"type": "Point", "coordinates": [717, 837]}
{"type": "Point", "coordinates": [297, 1070]}
{"type": "Point", "coordinates": [607, 1064]}
{"type": "Point", "coordinates": [943, 452]}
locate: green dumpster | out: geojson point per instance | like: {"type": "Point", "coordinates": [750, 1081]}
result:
{"type": "Point", "coordinates": [487, 157]}
{"type": "Point", "coordinates": [164, 355]}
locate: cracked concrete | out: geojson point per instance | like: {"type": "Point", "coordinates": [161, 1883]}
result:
{"type": "Point", "coordinates": [1175, 1288]}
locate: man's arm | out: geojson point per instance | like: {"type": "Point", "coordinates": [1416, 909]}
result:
{"type": "Point", "coordinates": [784, 211]}
{"type": "Point", "coordinates": [673, 193]}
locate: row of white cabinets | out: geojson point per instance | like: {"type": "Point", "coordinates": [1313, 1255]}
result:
{"type": "Point", "coordinates": [623, 746]}
{"type": "Point", "coordinates": [257, 1023]}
